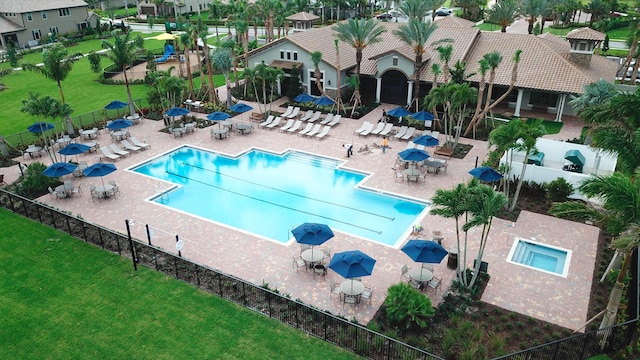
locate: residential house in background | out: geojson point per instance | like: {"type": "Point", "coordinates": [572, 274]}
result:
{"type": "Point", "coordinates": [27, 22]}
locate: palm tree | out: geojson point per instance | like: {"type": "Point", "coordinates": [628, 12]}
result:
{"type": "Point", "coordinates": [596, 8]}
{"type": "Point", "coordinates": [504, 13]}
{"type": "Point", "coordinates": [223, 61]}
{"type": "Point", "coordinates": [316, 58]}
{"type": "Point", "coordinates": [529, 135]}
{"type": "Point", "coordinates": [597, 93]}
{"type": "Point", "coordinates": [444, 54]}
{"type": "Point", "coordinates": [505, 138]}
{"type": "Point", "coordinates": [216, 11]}
{"type": "Point", "coordinates": [415, 9]}
{"type": "Point", "coordinates": [185, 41]}
{"type": "Point", "coordinates": [57, 65]}
{"type": "Point", "coordinates": [359, 34]}
{"type": "Point", "coordinates": [416, 34]}
{"type": "Point", "coordinates": [123, 52]}
{"type": "Point", "coordinates": [632, 44]}
{"type": "Point", "coordinates": [532, 9]}
{"type": "Point", "coordinates": [484, 67]}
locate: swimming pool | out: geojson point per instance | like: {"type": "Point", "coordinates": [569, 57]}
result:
{"type": "Point", "coordinates": [541, 257]}
{"type": "Point", "coordinates": [268, 194]}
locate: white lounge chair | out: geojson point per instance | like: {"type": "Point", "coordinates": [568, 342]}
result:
{"type": "Point", "coordinates": [335, 121]}
{"type": "Point", "coordinates": [143, 145]}
{"type": "Point", "coordinates": [266, 122]}
{"type": "Point", "coordinates": [315, 117]}
{"type": "Point", "coordinates": [295, 127]}
{"type": "Point", "coordinates": [306, 129]}
{"type": "Point", "coordinates": [435, 134]}
{"type": "Point", "coordinates": [325, 132]}
{"type": "Point", "coordinates": [293, 114]}
{"type": "Point", "coordinates": [367, 130]}
{"type": "Point", "coordinates": [127, 145]}
{"type": "Point", "coordinates": [409, 134]}
{"type": "Point", "coordinates": [307, 116]}
{"type": "Point", "coordinates": [274, 123]}
{"type": "Point", "coordinates": [401, 132]}
{"type": "Point", "coordinates": [378, 128]}
{"type": "Point", "coordinates": [288, 112]}
{"type": "Point", "coordinates": [314, 131]}
{"type": "Point", "coordinates": [286, 127]}
{"type": "Point", "coordinates": [116, 149]}
{"type": "Point", "coordinates": [364, 126]}
{"type": "Point", "coordinates": [386, 130]}
{"type": "Point", "coordinates": [108, 154]}
{"type": "Point", "coordinates": [327, 119]}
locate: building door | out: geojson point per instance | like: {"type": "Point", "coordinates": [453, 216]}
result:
{"type": "Point", "coordinates": [394, 88]}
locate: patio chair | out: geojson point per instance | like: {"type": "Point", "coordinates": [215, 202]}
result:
{"type": "Point", "coordinates": [307, 116]}
{"type": "Point", "coordinates": [427, 266]}
{"type": "Point", "coordinates": [286, 126]}
{"type": "Point", "coordinates": [315, 117]}
{"type": "Point", "coordinates": [351, 299]}
{"type": "Point", "coordinates": [378, 128]}
{"type": "Point", "coordinates": [324, 132]}
{"type": "Point", "coordinates": [116, 149]}
{"type": "Point", "coordinates": [266, 122]}
{"type": "Point", "coordinates": [298, 262]}
{"type": "Point", "coordinates": [94, 194]}
{"type": "Point", "coordinates": [306, 129]}
{"type": "Point", "coordinates": [314, 131]}
{"type": "Point", "coordinates": [387, 129]}
{"type": "Point", "coordinates": [127, 145]}
{"type": "Point", "coordinates": [52, 193]}
{"type": "Point", "coordinates": [108, 154]}
{"type": "Point", "coordinates": [304, 247]}
{"type": "Point", "coordinates": [327, 119]}
{"type": "Point", "coordinates": [116, 189]}
{"type": "Point", "coordinates": [295, 127]}
{"type": "Point", "coordinates": [405, 273]}
{"type": "Point", "coordinates": [434, 284]}
{"type": "Point", "coordinates": [363, 127]}
{"type": "Point", "coordinates": [335, 121]}
{"type": "Point", "coordinates": [76, 191]}
{"type": "Point", "coordinates": [415, 284]}
{"type": "Point", "coordinates": [401, 132]}
{"type": "Point", "coordinates": [335, 289]}
{"type": "Point", "coordinates": [367, 293]}
{"type": "Point", "coordinates": [294, 113]}
{"type": "Point", "coordinates": [409, 134]}
{"type": "Point", "coordinates": [60, 195]}
{"type": "Point", "coordinates": [288, 112]}
{"type": "Point", "coordinates": [327, 253]}
{"type": "Point", "coordinates": [138, 143]}
{"type": "Point", "coordinates": [399, 175]}
{"type": "Point", "coordinates": [274, 123]}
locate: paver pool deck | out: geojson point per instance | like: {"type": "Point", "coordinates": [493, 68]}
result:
{"type": "Point", "coordinates": [562, 301]}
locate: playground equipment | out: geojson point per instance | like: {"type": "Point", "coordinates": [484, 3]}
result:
{"type": "Point", "coordinates": [168, 51]}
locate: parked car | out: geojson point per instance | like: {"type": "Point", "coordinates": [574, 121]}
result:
{"type": "Point", "coordinates": [443, 11]}
{"type": "Point", "coordinates": [384, 17]}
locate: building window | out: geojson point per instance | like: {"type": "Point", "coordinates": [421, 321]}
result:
{"type": "Point", "coordinates": [36, 34]}
{"type": "Point", "coordinates": [295, 55]}
{"type": "Point", "coordinates": [43, 13]}
{"type": "Point", "coordinates": [29, 17]}
{"type": "Point", "coordinates": [282, 54]}
{"type": "Point", "coordinates": [288, 55]}
{"type": "Point", "coordinates": [64, 12]}
{"type": "Point", "coordinates": [53, 30]}
{"type": "Point", "coordinates": [395, 61]}
{"type": "Point", "coordinates": [582, 46]}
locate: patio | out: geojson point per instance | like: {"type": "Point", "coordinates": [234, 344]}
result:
{"type": "Point", "coordinates": [232, 251]}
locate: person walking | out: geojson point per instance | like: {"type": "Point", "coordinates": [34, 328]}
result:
{"type": "Point", "coordinates": [384, 116]}
{"type": "Point", "coordinates": [385, 144]}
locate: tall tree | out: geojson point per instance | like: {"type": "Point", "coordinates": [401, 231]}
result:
{"type": "Point", "coordinates": [415, 9]}
{"type": "Point", "coordinates": [416, 34]}
{"type": "Point", "coordinates": [528, 137]}
{"type": "Point", "coordinates": [223, 61]}
{"type": "Point", "coordinates": [123, 52]}
{"type": "Point", "coordinates": [504, 13]}
{"type": "Point", "coordinates": [187, 46]}
{"type": "Point", "coordinates": [532, 9]}
{"type": "Point", "coordinates": [316, 58]}
{"type": "Point", "coordinates": [444, 54]}
{"type": "Point", "coordinates": [597, 8]}
{"type": "Point", "coordinates": [359, 34]}
{"type": "Point", "coordinates": [56, 66]}
{"type": "Point", "coordinates": [597, 93]}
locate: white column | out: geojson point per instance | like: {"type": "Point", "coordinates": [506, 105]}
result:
{"type": "Point", "coordinates": [560, 106]}
{"type": "Point", "coordinates": [518, 103]}
{"type": "Point", "coordinates": [279, 89]}
{"type": "Point", "coordinates": [409, 92]}
{"type": "Point", "coordinates": [378, 88]}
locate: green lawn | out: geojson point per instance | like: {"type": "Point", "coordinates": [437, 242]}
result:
{"type": "Point", "coordinates": [552, 127]}
{"type": "Point", "coordinates": [64, 299]}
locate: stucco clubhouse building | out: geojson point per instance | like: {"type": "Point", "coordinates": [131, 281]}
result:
{"type": "Point", "coordinates": [551, 68]}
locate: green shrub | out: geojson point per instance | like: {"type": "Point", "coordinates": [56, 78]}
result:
{"type": "Point", "coordinates": [558, 190]}
{"type": "Point", "coordinates": [34, 184]}
{"type": "Point", "coordinates": [407, 307]}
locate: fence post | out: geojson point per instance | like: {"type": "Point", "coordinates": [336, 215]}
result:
{"type": "Point", "coordinates": [133, 250]}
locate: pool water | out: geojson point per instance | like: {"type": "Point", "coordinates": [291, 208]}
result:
{"type": "Point", "coordinates": [540, 256]}
{"type": "Point", "coordinates": [268, 194]}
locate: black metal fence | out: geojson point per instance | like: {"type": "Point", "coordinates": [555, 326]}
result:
{"type": "Point", "coordinates": [313, 321]}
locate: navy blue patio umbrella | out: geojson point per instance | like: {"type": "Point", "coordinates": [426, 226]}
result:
{"type": "Point", "coordinates": [116, 104]}
{"type": "Point", "coordinates": [99, 169]}
{"type": "Point", "coordinates": [324, 101]}
{"type": "Point", "coordinates": [485, 173]}
{"type": "Point", "coordinates": [74, 149]}
{"type": "Point", "coordinates": [312, 234]}
{"type": "Point", "coordinates": [414, 155]}
{"type": "Point", "coordinates": [240, 108]}
{"type": "Point", "coordinates": [218, 116]}
{"type": "Point", "coordinates": [119, 124]}
{"type": "Point", "coordinates": [40, 127]}
{"type": "Point", "coordinates": [426, 140]}
{"type": "Point", "coordinates": [59, 169]}
{"type": "Point", "coordinates": [422, 116]}
{"type": "Point", "coordinates": [352, 264]}
{"type": "Point", "coordinates": [177, 111]}
{"type": "Point", "coordinates": [304, 97]}
{"type": "Point", "coordinates": [424, 251]}
{"type": "Point", "coordinates": [399, 112]}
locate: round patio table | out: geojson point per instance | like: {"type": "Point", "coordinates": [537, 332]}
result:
{"type": "Point", "coordinates": [312, 255]}
{"type": "Point", "coordinates": [352, 287]}
{"type": "Point", "coordinates": [421, 275]}
{"type": "Point", "coordinates": [219, 133]}
{"type": "Point", "coordinates": [243, 128]}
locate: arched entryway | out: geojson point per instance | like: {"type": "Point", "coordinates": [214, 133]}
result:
{"type": "Point", "coordinates": [394, 88]}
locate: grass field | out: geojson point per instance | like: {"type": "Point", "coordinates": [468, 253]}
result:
{"type": "Point", "coordinates": [64, 299]}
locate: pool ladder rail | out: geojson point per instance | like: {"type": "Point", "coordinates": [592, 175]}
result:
{"type": "Point", "coordinates": [163, 189]}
